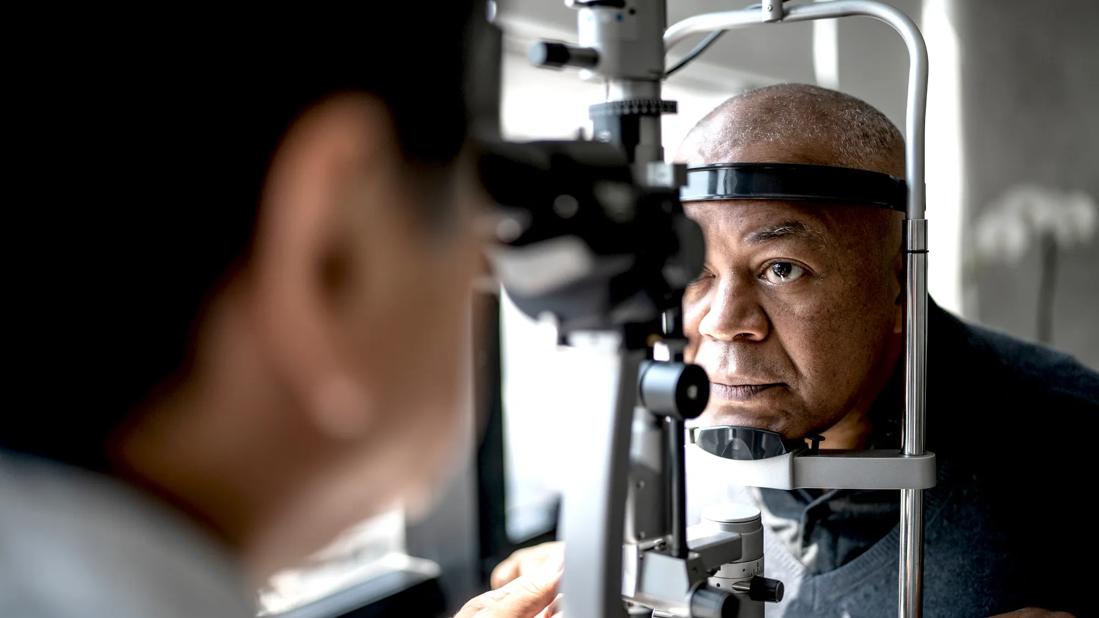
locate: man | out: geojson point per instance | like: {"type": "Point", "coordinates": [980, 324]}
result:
{"type": "Point", "coordinates": [797, 318]}
{"type": "Point", "coordinates": [240, 265]}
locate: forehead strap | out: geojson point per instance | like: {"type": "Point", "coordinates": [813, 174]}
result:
{"type": "Point", "coordinates": [794, 181]}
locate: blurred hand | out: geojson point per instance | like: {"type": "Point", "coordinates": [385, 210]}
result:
{"type": "Point", "coordinates": [1033, 612]}
{"type": "Point", "coordinates": [529, 560]}
{"type": "Point", "coordinates": [532, 595]}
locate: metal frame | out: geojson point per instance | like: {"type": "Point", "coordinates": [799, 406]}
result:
{"type": "Point", "coordinates": [915, 228]}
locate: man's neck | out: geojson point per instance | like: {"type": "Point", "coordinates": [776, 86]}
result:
{"type": "Point", "coordinates": [852, 432]}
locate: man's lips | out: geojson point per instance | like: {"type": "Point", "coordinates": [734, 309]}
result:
{"type": "Point", "coordinates": [739, 392]}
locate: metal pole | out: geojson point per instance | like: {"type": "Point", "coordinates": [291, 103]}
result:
{"type": "Point", "coordinates": [915, 384]}
{"type": "Point", "coordinates": [677, 481]}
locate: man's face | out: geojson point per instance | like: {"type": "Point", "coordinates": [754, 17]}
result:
{"type": "Point", "coordinates": [793, 314]}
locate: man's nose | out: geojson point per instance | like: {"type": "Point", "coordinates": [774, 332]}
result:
{"type": "Point", "coordinates": [734, 313]}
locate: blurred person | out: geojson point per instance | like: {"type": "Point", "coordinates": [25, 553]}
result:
{"type": "Point", "coordinates": [240, 252]}
{"type": "Point", "coordinates": [797, 318]}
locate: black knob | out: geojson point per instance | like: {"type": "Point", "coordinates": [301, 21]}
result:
{"type": "Point", "coordinates": [766, 590]}
{"type": "Point", "coordinates": [707, 602]}
{"type": "Point", "coordinates": [557, 55]}
{"type": "Point", "coordinates": [678, 390]}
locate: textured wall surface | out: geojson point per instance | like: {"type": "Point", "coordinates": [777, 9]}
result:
{"type": "Point", "coordinates": [1030, 93]}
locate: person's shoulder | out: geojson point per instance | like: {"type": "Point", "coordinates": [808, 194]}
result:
{"type": "Point", "coordinates": [109, 551]}
{"type": "Point", "coordinates": [1010, 424]}
{"type": "Point", "coordinates": [1018, 369]}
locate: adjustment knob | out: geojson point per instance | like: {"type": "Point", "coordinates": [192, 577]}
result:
{"type": "Point", "coordinates": [557, 55]}
{"type": "Point", "coordinates": [677, 390]}
{"type": "Point", "coordinates": [766, 590]}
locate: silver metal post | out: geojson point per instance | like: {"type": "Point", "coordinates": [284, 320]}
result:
{"type": "Point", "coordinates": [593, 513]}
{"type": "Point", "coordinates": [915, 384]}
{"type": "Point", "coordinates": [911, 525]}
{"type": "Point", "coordinates": [910, 601]}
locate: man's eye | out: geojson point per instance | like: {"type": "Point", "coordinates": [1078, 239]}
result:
{"type": "Point", "coordinates": [783, 272]}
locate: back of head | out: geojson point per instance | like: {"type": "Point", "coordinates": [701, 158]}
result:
{"type": "Point", "coordinates": [141, 151]}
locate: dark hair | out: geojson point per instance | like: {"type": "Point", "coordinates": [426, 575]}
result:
{"type": "Point", "coordinates": [143, 152]}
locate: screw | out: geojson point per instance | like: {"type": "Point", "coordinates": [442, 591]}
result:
{"type": "Point", "coordinates": [565, 206]}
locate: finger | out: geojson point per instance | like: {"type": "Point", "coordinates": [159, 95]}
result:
{"type": "Point", "coordinates": [526, 561]}
{"type": "Point", "coordinates": [505, 572]}
{"type": "Point", "coordinates": [524, 597]}
{"type": "Point", "coordinates": [552, 558]}
{"type": "Point", "coordinates": [553, 609]}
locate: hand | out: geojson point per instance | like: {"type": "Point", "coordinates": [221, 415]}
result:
{"type": "Point", "coordinates": [1033, 612]}
{"type": "Point", "coordinates": [529, 560]}
{"type": "Point", "coordinates": [531, 595]}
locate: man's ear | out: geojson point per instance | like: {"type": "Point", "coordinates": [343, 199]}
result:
{"type": "Point", "coordinates": [304, 257]}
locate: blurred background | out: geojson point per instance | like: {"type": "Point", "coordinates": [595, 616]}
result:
{"type": "Point", "coordinates": [1012, 185]}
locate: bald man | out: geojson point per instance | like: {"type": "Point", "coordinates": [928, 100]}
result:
{"type": "Point", "coordinates": [797, 319]}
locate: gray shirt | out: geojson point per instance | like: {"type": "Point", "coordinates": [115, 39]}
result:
{"type": "Point", "coordinates": [74, 543]}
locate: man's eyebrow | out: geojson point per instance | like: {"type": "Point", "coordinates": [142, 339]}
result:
{"type": "Point", "coordinates": [786, 229]}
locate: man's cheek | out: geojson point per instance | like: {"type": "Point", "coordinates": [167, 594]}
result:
{"type": "Point", "coordinates": [690, 353]}
{"type": "Point", "coordinates": [692, 316]}
{"type": "Point", "coordinates": [827, 368]}
{"type": "Point", "coordinates": [695, 352]}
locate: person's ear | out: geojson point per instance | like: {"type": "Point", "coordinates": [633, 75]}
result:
{"type": "Point", "coordinates": [307, 257]}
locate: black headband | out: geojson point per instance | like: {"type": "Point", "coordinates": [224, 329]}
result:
{"type": "Point", "coordinates": [793, 181]}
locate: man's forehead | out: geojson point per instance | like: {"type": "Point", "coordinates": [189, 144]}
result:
{"type": "Point", "coordinates": [777, 151]}
{"type": "Point", "coordinates": [758, 221]}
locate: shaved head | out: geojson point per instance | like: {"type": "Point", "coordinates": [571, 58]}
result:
{"type": "Point", "coordinates": [796, 316]}
{"type": "Point", "coordinates": [800, 124]}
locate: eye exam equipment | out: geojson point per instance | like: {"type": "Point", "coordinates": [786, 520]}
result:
{"type": "Point", "coordinates": [592, 236]}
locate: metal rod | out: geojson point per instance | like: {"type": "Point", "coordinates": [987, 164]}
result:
{"type": "Point", "coordinates": [672, 325]}
{"type": "Point", "coordinates": [911, 551]}
{"type": "Point", "coordinates": [911, 525]}
{"type": "Point", "coordinates": [677, 479]}
{"type": "Point", "coordinates": [915, 366]}
{"type": "Point", "coordinates": [910, 600]}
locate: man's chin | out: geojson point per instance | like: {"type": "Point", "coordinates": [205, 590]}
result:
{"type": "Point", "coordinates": [755, 418]}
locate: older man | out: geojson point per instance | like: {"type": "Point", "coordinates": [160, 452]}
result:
{"type": "Point", "coordinates": [797, 318]}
